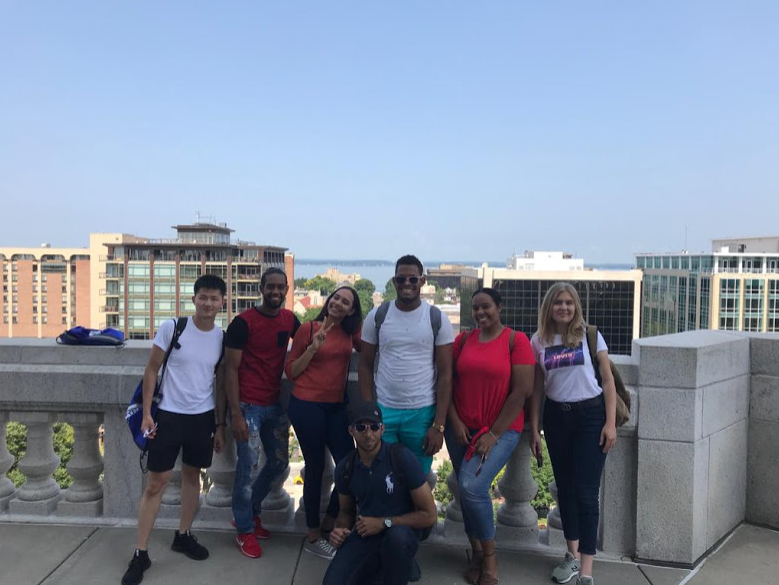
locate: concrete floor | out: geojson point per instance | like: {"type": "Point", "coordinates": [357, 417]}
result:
{"type": "Point", "coordinates": [63, 555]}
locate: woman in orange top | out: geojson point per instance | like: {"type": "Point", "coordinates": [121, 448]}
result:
{"type": "Point", "coordinates": [319, 365]}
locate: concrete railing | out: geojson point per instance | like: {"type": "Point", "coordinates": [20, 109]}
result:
{"type": "Point", "coordinates": [676, 482]}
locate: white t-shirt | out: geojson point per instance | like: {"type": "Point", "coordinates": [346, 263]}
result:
{"type": "Point", "coordinates": [188, 385]}
{"type": "Point", "coordinates": [568, 372]}
{"type": "Point", "coordinates": [406, 376]}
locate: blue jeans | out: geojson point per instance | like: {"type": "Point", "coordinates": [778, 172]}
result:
{"type": "Point", "coordinates": [268, 425]}
{"type": "Point", "coordinates": [389, 553]}
{"type": "Point", "coordinates": [475, 498]}
{"type": "Point", "coordinates": [408, 426]}
{"type": "Point", "coordinates": [572, 432]}
{"type": "Point", "coordinates": [319, 425]}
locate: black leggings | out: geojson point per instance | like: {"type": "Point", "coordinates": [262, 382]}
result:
{"type": "Point", "coordinates": [319, 425]}
{"type": "Point", "coordinates": [572, 432]}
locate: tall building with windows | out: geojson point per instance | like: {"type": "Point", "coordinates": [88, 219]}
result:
{"type": "Point", "coordinates": [130, 283]}
{"type": "Point", "coordinates": [611, 299]}
{"type": "Point", "coordinates": [733, 288]}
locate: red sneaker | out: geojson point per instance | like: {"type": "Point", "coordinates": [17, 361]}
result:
{"type": "Point", "coordinates": [260, 532]}
{"type": "Point", "coordinates": [249, 545]}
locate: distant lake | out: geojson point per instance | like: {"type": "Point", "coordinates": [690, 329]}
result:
{"type": "Point", "coordinates": [380, 273]}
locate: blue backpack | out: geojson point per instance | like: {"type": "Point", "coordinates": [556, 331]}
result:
{"type": "Point", "coordinates": [85, 336]}
{"type": "Point", "coordinates": [134, 414]}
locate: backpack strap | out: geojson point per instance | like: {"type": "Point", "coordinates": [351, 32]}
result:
{"type": "Point", "coordinates": [592, 344]}
{"type": "Point", "coordinates": [221, 355]}
{"type": "Point", "coordinates": [511, 342]}
{"type": "Point", "coordinates": [380, 316]}
{"type": "Point", "coordinates": [435, 321]}
{"type": "Point", "coordinates": [181, 324]}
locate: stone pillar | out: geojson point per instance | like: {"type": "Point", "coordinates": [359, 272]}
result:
{"type": "Point", "coordinates": [121, 459]}
{"type": "Point", "coordinates": [40, 493]}
{"type": "Point", "coordinates": [454, 529]}
{"type": "Point", "coordinates": [554, 524]}
{"type": "Point", "coordinates": [517, 520]}
{"type": "Point", "coordinates": [85, 495]}
{"type": "Point", "coordinates": [221, 473]}
{"type": "Point", "coordinates": [7, 488]}
{"type": "Point", "coordinates": [278, 508]}
{"type": "Point", "coordinates": [692, 443]}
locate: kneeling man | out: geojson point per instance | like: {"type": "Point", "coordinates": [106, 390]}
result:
{"type": "Point", "coordinates": [386, 506]}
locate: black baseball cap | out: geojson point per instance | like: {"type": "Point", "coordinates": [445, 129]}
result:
{"type": "Point", "coordinates": [362, 410]}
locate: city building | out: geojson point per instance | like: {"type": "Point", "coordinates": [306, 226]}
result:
{"type": "Point", "coordinates": [339, 277]}
{"type": "Point", "coordinates": [611, 299]}
{"type": "Point", "coordinates": [733, 288]}
{"type": "Point", "coordinates": [546, 261]}
{"type": "Point", "coordinates": [446, 275]}
{"type": "Point", "coordinates": [129, 282]}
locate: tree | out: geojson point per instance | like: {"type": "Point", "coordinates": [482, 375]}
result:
{"type": "Point", "coordinates": [322, 284]}
{"type": "Point", "coordinates": [366, 301]}
{"type": "Point", "coordinates": [390, 294]}
{"type": "Point", "coordinates": [310, 314]}
{"type": "Point", "coordinates": [301, 282]}
{"type": "Point", "coordinates": [364, 285]}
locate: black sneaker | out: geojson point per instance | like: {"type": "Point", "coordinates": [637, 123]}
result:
{"type": "Point", "coordinates": [187, 544]}
{"type": "Point", "coordinates": [139, 563]}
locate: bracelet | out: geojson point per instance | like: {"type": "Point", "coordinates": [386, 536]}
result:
{"type": "Point", "coordinates": [494, 436]}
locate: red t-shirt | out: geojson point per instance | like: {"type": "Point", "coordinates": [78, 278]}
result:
{"type": "Point", "coordinates": [264, 341]}
{"type": "Point", "coordinates": [324, 379]}
{"type": "Point", "coordinates": [483, 378]}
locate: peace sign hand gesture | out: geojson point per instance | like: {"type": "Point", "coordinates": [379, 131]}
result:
{"type": "Point", "coordinates": [318, 340]}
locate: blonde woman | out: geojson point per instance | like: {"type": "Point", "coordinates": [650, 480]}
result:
{"type": "Point", "coordinates": [579, 422]}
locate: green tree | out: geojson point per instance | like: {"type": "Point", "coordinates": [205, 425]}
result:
{"type": "Point", "coordinates": [390, 294]}
{"type": "Point", "coordinates": [364, 285]}
{"type": "Point", "coordinates": [309, 315]}
{"type": "Point", "coordinates": [322, 284]}
{"type": "Point", "coordinates": [366, 301]}
{"type": "Point", "coordinates": [301, 282]}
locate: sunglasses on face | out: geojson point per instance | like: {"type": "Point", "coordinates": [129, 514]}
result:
{"type": "Point", "coordinates": [410, 279]}
{"type": "Point", "coordinates": [362, 427]}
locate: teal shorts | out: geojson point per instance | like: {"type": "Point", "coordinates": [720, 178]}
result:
{"type": "Point", "coordinates": [408, 426]}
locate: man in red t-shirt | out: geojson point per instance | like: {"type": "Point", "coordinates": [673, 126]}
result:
{"type": "Point", "coordinates": [257, 341]}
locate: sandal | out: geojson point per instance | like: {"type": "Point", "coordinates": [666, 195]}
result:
{"type": "Point", "coordinates": [487, 579]}
{"type": "Point", "coordinates": [473, 572]}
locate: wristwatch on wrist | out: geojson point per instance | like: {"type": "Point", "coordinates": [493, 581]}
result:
{"type": "Point", "coordinates": [388, 522]}
{"type": "Point", "coordinates": [439, 428]}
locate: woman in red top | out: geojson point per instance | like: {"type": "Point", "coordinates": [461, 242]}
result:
{"type": "Point", "coordinates": [493, 369]}
{"type": "Point", "coordinates": [319, 364]}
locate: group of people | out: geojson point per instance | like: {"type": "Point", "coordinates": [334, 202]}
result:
{"type": "Point", "coordinates": [418, 388]}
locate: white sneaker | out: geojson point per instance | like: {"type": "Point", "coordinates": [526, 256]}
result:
{"type": "Point", "coordinates": [320, 548]}
{"type": "Point", "coordinates": [566, 570]}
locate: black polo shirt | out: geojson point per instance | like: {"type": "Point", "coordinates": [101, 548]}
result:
{"type": "Point", "coordinates": [376, 490]}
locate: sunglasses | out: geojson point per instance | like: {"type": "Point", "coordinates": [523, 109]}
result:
{"type": "Point", "coordinates": [362, 427]}
{"type": "Point", "coordinates": [410, 279]}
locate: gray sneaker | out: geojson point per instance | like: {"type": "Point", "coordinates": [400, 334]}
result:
{"type": "Point", "coordinates": [585, 581]}
{"type": "Point", "coordinates": [320, 548]}
{"type": "Point", "coordinates": [566, 570]}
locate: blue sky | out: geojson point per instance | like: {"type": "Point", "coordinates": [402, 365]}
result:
{"type": "Point", "coordinates": [372, 129]}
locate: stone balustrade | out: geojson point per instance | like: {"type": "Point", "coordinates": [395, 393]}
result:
{"type": "Point", "coordinates": [676, 482]}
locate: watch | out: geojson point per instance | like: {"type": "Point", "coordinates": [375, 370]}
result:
{"type": "Point", "coordinates": [439, 428]}
{"type": "Point", "coordinates": [388, 522]}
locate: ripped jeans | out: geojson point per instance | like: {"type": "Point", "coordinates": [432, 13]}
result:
{"type": "Point", "coordinates": [269, 427]}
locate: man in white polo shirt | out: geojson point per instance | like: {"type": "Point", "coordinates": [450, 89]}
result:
{"type": "Point", "coordinates": [412, 342]}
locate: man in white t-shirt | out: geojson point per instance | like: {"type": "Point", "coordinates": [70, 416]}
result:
{"type": "Point", "coordinates": [413, 381]}
{"type": "Point", "coordinates": [185, 420]}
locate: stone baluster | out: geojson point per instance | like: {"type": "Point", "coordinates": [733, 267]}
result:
{"type": "Point", "coordinates": [85, 495]}
{"type": "Point", "coordinates": [278, 508]}
{"type": "Point", "coordinates": [39, 494]}
{"type": "Point", "coordinates": [554, 523]}
{"type": "Point", "coordinates": [221, 473]}
{"type": "Point", "coordinates": [7, 488]}
{"type": "Point", "coordinates": [517, 520]}
{"type": "Point", "coordinates": [453, 523]}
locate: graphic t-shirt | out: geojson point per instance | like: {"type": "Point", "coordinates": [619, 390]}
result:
{"type": "Point", "coordinates": [264, 340]}
{"type": "Point", "coordinates": [324, 379]}
{"type": "Point", "coordinates": [568, 372]}
{"type": "Point", "coordinates": [483, 376]}
{"type": "Point", "coordinates": [406, 376]}
{"type": "Point", "coordinates": [188, 384]}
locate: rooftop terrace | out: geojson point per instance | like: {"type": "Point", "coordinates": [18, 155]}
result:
{"type": "Point", "coordinates": [697, 461]}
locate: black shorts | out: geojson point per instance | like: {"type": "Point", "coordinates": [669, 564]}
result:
{"type": "Point", "coordinates": [192, 433]}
